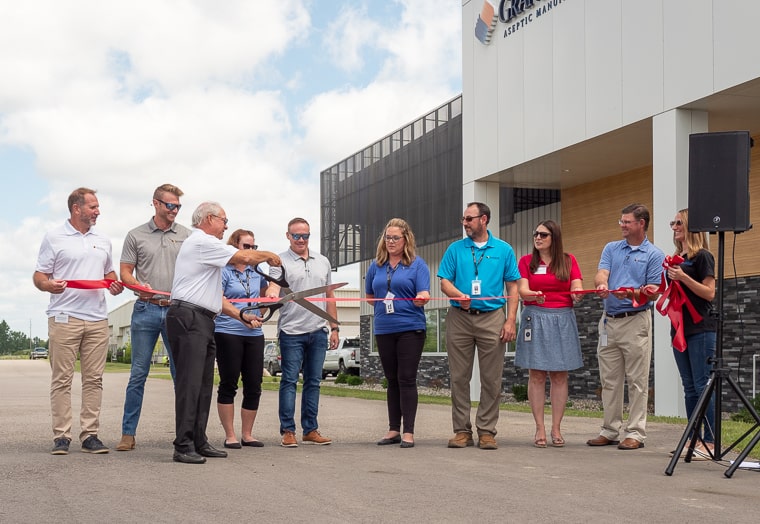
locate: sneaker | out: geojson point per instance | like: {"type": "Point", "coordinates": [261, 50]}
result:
{"type": "Point", "coordinates": [461, 440]}
{"type": "Point", "coordinates": [92, 444]}
{"type": "Point", "coordinates": [313, 437]}
{"type": "Point", "coordinates": [289, 440]}
{"type": "Point", "coordinates": [61, 446]}
{"type": "Point", "coordinates": [487, 442]}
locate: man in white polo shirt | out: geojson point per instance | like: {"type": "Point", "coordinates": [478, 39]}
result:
{"type": "Point", "coordinates": [195, 301]}
{"type": "Point", "coordinates": [77, 318]}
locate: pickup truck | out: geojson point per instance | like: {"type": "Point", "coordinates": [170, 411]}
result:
{"type": "Point", "coordinates": [343, 359]}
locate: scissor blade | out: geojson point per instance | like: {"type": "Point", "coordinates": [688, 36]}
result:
{"type": "Point", "coordinates": [299, 298]}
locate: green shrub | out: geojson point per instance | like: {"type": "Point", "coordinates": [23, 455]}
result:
{"type": "Point", "coordinates": [384, 383]}
{"type": "Point", "coordinates": [342, 378]}
{"type": "Point", "coordinates": [353, 380]}
{"type": "Point", "coordinates": [743, 414]}
{"type": "Point", "coordinates": [520, 391]}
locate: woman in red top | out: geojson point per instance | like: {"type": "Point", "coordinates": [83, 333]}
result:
{"type": "Point", "coordinates": [547, 343]}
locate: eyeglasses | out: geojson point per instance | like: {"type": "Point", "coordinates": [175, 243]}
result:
{"type": "Point", "coordinates": [392, 239]}
{"type": "Point", "coordinates": [676, 223]}
{"type": "Point", "coordinates": [220, 218]}
{"type": "Point", "coordinates": [542, 234]}
{"type": "Point", "coordinates": [250, 246]}
{"type": "Point", "coordinates": [170, 206]}
{"type": "Point", "coordinates": [299, 236]}
{"type": "Point", "coordinates": [469, 219]}
{"type": "Point", "coordinates": [626, 222]}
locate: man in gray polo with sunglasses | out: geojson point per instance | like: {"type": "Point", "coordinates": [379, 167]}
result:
{"type": "Point", "coordinates": [147, 259]}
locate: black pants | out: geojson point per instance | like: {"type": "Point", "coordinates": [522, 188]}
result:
{"type": "Point", "coordinates": [191, 339]}
{"type": "Point", "coordinates": [236, 356]}
{"type": "Point", "coordinates": [400, 355]}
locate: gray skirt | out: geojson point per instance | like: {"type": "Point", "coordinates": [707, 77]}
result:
{"type": "Point", "coordinates": [547, 339]}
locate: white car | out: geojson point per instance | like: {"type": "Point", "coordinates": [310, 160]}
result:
{"type": "Point", "coordinates": [343, 359]}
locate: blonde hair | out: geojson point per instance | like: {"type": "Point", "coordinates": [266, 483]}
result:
{"type": "Point", "coordinates": [694, 241]}
{"type": "Point", "coordinates": [410, 246]}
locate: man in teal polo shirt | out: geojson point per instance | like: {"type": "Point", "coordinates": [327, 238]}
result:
{"type": "Point", "coordinates": [473, 272]}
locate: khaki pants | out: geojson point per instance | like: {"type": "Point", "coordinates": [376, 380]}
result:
{"type": "Point", "coordinates": [465, 332]}
{"type": "Point", "coordinates": [90, 341]}
{"type": "Point", "coordinates": [626, 357]}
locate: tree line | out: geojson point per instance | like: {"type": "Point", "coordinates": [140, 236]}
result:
{"type": "Point", "coordinates": [15, 342]}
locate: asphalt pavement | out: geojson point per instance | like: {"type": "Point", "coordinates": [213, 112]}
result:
{"type": "Point", "coordinates": [352, 480]}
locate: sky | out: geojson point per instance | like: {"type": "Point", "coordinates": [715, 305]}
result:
{"type": "Point", "coordinates": [241, 102]}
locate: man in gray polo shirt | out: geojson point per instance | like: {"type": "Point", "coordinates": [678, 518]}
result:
{"type": "Point", "coordinates": [148, 258]}
{"type": "Point", "coordinates": [303, 335]}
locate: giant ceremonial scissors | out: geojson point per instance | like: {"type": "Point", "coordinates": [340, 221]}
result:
{"type": "Point", "coordinates": [299, 297]}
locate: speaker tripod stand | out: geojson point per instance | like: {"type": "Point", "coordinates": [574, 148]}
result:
{"type": "Point", "coordinates": [718, 375]}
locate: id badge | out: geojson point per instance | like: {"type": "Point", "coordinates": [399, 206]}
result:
{"type": "Point", "coordinates": [475, 288]}
{"type": "Point", "coordinates": [62, 318]}
{"type": "Point", "coordinates": [389, 303]}
{"type": "Point", "coordinates": [603, 334]}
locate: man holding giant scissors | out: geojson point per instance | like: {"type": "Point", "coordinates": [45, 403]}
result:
{"type": "Point", "coordinates": [303, 335]}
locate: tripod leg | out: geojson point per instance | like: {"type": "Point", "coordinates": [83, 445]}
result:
{"type": "Point", "coordinates": [694, 423]}
{"type": "Point", "coordinates": [752, 443]}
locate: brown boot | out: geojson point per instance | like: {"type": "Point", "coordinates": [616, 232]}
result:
{"type": "Point", "coordinates": [126, 443]}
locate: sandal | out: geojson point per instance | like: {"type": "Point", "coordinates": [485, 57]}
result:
{"type": "Point", "coordinates": [539, 442]}
{"type": "Point", "coordinates": [558, 441]}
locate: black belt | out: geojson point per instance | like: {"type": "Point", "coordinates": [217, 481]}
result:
{"type": "Point", "coordinates": [625, 314]}
{"type": "Point", "coordinates": [163, 302]}
{"type": "Point", "coordinates": [189, 305]}
{"type": "Point", "coordinates": [476, 311]}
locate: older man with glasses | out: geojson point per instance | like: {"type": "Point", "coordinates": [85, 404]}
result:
{"type": "Point", "coordinates": [196, 301]}
{"type": "Point", "coordinates": [634, 266]}
{"type": "Point", "coordinates": [147, 259]}
{"type": "Point", "coordinates": [478, 266]}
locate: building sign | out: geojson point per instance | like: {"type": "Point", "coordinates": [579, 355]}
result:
{"type": "Point", "coordinates": [515, 13]}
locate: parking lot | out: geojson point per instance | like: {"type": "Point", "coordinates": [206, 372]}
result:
{"type": "Point", "coordinates": [352, 480]}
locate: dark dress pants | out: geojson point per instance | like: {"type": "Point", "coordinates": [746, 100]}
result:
{"type": "Point", "coordinates": [191, 339]}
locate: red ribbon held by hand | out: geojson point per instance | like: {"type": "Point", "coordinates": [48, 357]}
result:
{"type": "Point", "coordinates": [106, 283]}
{"type": "Point", "coordinates": [671, 304]}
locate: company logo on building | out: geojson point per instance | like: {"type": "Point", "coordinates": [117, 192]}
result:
{"type": "Point", "coordinates": [507, 11]}
{"type": "Point", "coordinates": [486, 22]}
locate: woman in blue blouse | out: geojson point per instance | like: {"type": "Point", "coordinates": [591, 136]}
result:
{"type": "Point", "coordinates": [239, 348]}
{"type": "Point", "coordinates": [400, 280]}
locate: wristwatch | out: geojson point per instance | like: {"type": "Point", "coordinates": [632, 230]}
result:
{"type": "Point", "coordinates": [335, 329]}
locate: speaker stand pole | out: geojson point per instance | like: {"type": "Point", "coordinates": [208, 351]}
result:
{"type": "Point", "coordinates": [718, 374]}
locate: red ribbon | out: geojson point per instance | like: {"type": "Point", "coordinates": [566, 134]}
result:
{"type": "Point", "coordinates": [106, 283]}
{"type": "Point", "coordinates": [672, 301]}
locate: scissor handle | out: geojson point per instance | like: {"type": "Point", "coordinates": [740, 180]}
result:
{"type": "Point", "coordinates": [271, 309]}
{"type": "Point", "coordinates": [279, 281]}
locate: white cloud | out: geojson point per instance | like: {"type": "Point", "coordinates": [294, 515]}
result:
{"type": "Point", "coordinates": [123, 97]}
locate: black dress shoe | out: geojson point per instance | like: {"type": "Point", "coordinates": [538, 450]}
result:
{"type": "Point", "coordinates": [232, 445]}
{"type": "Point", "coordinates": [191, 457]}
{"type": "Point", "coordinates": [211, 452]}
{"type": "Point", "coordinates": [253, 443]}
{"type": "Point", "coordinates": [406, 444]}
{"type": "Point", "coordinates": [388, 441]}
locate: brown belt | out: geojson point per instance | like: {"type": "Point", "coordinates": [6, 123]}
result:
{"type": "Point", "coordinates": [163, 302]}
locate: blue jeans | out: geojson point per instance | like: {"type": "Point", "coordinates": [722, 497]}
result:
{"type": "Point", "coordinates": [695, 372]}
{"type": "Point", "coordinates": [301, 352]}
{"type": "Point", "coordinates": [148, 321]}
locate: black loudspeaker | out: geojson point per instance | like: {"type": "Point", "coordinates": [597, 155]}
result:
{"type": "Point", "coordinates": [719, 181]}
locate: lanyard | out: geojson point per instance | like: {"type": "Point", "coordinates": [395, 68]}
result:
{"type": "Point", "coordinates": [247, 284]}
{"type": "Point", "coordinates": [390, 274]}
{"type": "Point", "coordinates": [479, 260]}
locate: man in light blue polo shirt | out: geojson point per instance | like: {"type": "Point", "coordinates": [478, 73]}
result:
{"type": "Point", "coordinates": [473, 272]}
{"type": "Point", "coordinates": [625, 329]}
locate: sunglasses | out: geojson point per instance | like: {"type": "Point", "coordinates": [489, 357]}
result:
{"type": "Point", "coordinates": [469, 219]}
{"type": "Point", "coordinates": [542, 234]}
{"type": "Point", "coordinates": [299, 236]}
{"type": "Point", "coordinates": [676, 223]}
{"type": "Point", "coordinates": [250, 246]}
{"type": "Point", "coordinates": [169, 206]}
{"type": "Point", "coordinates": [392, 239]}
